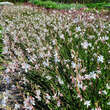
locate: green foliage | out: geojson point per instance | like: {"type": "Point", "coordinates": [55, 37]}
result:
{"type": "Point", "coordinates": [95, 5]}
{"type": "Point", "coordinates": [77, 1]}
{"type": "Point", "coordinates": [1, 46]}
{"type": "Point", "coordinates": [54, 5]}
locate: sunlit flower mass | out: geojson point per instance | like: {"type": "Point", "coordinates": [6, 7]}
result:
{"type": "Point", "coordinates": [54, 60]}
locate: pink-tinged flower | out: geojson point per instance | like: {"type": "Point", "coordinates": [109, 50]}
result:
{"type": "Point", "coordinates": [100, 92]}
{"type": "Point", "coordinates": [7, 70]}
{"type": "Point", "coordinates": [25, 66]}
{"type": "Point", "coordinates": [98, 108]}
{"type": "Point", "coordinates": [84, 88]}
{"type": "Point", "coordinates": [38, 95]}
{"type": "Point", "coordinates": [61, 94]}
{"type": "Point", "coordinates": [62, 37]}
{"type": "Point", "coordinates": [37, 66]}
{"type": "Point", "coordinates": [5, 50]}
{"type": "Point", "coordinates": [47, 101]}
{"type": "Point", "coordinates": [58, 103]}
{"type": "Point", "coordinates": [79, 96]}
{"type": "Point", "coordinates": [13, 87]}
{"type": "Point", "coordinates": [86, 76]}
{"type": "Point", "coordinates": [32, 100]}
{"type": "Point", "coordinates": [48, 96]}
{"type": "Point", "coordinates": [29, 102]}
{"type": "Point", "coordinates": [55, 96]}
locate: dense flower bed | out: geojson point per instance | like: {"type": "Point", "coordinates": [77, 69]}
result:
{"type": "Point", "coordinates": [65, 57]}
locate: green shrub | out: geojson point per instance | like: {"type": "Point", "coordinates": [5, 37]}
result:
{"type": "Point", "coordinates": [54, 5]}
{"type": "Point", "coordinates": [78, 1]}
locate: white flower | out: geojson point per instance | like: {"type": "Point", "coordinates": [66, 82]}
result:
{"type": "Point", "coordinates": [36, 66]}
{"type": "Point", "coordinates": [107, 86]}
{"type": "Point", "coordinates": [85, 44]}
{"type": "Point", "coordinates": [62, 37]}
{"type": "Point", "coordinates": [48, 77]}
{"type": "Point", "coordinates": [7, 78]}
{"type": "Point", "coordinates": [56, 59]}
{"type": "Point", "coordinates": [93, 75]}
{"type": "Point", "coordinates": [45, 63]}
{"type": "Point", "coordinates": [28, 102]}
{"type": "Point", "coordinates": [0, 31]}
{"type": "Point", "coordinates": [54, 42]}
{"type": "Point", "coordinates": [80, 85]}
{"type": "Point", "coordinates": [104, 38]}
{"type": "Point", "coordinates": [32, 101]}
{"type": "Point", "coordinates": [48, 96]}
{"type": "Point", "coordinates": [54, 97]}
{"type": "Point", "coordinates": [87, 103]}
{"type": "Point", "coordinates": [108, 103]}
{"type": "Point", "coordinates": [86, 76]}
{"type": "Point", "coordinates": [58, 103]}
{"type": "Point", "coordinates": [5, 50]}
{"type": "Point", "coordinates": [17, 106]}
{"type": "Point", "coordinates": [76, 20]}
{"type": "Point", "coordinates": [105, 92]}
{"type": "Point", "coordinates": [91, 17]}
{"type": "Point", "coordinates": [73, 65]}
{"type": "Point", "coordinates": [91, 36]}
{"type": "Point", "coordinates": [3, 102]}
{"type": "Point", "coordinates": [38, 95]}
{"type": "Point", "coordinates": [60, 81]}
{"type": "Point", "coordinates": [100, 59]}
{"type": "Point", "coordinates": [25, 66]}
{"type": "Point", "coordinates": [78, 29]}
{"type": "Point", "coordinates": [38, 92]}
{"type": "Point", "coordinates": [13, 87]}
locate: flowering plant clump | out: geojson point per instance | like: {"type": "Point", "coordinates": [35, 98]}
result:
{"type": "Point", "coordinates": [64, 56]}
{"type": "Point", "coordinates": [1, 49]}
